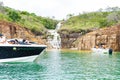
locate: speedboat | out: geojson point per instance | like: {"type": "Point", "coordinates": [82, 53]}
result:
{"type": "Point", "coordinates": [100, 51]}
{"type": "Point", "coordinates": [20, 52]}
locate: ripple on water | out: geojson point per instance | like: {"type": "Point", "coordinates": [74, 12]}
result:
{"type": "Point", "coordinates": [57, 65]}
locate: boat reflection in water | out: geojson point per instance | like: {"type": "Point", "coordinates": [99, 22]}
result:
{"type": "Point", "coordinates": [20, 52]}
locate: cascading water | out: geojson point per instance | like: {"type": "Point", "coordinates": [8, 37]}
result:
{"type": "Point", "coordinates": [58, 26]}
{"type": "Point", "coordinates": [54, 39]}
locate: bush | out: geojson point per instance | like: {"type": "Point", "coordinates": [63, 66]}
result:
{"type": "Point", "coordinates": [14, 16]}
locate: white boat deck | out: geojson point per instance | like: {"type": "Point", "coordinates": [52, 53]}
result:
{"type": "Point", "coordinates": [100, 51]}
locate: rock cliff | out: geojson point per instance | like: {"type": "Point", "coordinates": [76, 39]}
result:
{"type": "Point", "coordinates": [109, 36]}
{"type": "Point", "coordinates": [12, 30]}
{"type": "Point", "coordinates": [68, 38]}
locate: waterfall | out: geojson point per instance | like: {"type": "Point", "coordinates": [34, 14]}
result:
{"type": "Point", "coordinates": [58, 26]}
{"type": "Point", "coordinates": [54, 39]}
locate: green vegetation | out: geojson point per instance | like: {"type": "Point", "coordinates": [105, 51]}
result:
{"type": "Point", "coordinates": [14, 16]}
{"type": "Point", "coordinates": [92, 20]}
{"type": "Point", "coordinates": [80, 23]}
{"type": "Point", "coordinates": [36, 24]}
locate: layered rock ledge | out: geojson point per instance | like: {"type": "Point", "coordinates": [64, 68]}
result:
{"type": "Point", "coordinates": [109, 36]}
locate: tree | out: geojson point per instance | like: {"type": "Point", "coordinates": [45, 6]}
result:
{"type": "Point", "coordinates": [14, 16]}
{"type": "Point", "coordinates": [103, 23]}
{"type": "Point", "coordinates": [1, 4]}
{"type": "Point", "coordinates": [1, 7]}
{"type": "Point", "coordinates": [109, 9]}
{"type": "Point", "coordinates": [25, 13]}
{"type": "Point", "coordinates": [70, 15]}
{"type": "Point", "coordinates": [113, 17]}
{"type": "Point", "coordinates": [100, 10]}
{"type": "Point", "coordinates": [115, 9]}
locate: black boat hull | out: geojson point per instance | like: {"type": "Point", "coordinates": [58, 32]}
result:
{"type": "Point", "coordinates": [18, 51]}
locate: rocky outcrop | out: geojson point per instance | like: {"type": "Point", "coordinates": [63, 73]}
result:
{"type": "Point", "coordinates": [109, 36]}
{"type": "Point", "coordinates": [68, 38]}
{"type": "Point", "coordinates": [12, 30]}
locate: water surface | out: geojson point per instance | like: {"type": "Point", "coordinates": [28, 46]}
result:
{"type": "Point", "coordinates": [64, 65]}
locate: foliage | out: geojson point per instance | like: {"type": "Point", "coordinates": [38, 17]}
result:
{"type": "Point", "coordinates": [35, 23]}
{"type": "Point", "coordinates": [14, 16]}
{"type": "Point", "coordinates": [103, 23]}
{"type": "Point", "coordinates": [48, 23]}
{"type": "Point", "coordinates": [25, 13]}
{"type": "Point", "coordinates": [1, 7]}
{"type": "Point", "coordinates": [114, 17]}
{"type": "Point", "coordinates": [92, 20]}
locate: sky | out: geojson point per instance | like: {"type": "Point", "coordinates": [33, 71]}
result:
{"type": "Point", "coordinates": [59, 8]}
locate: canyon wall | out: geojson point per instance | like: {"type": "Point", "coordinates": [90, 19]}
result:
{"type": "Point", "coordinates": [12, 30]}
{"type": "Point", "coordinates": [109, 36]}
{"type": "Point", "coordinates": [68, 39]}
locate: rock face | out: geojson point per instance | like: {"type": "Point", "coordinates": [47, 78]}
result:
{"type": "Point", "coordinates": [12, 30]}
{"type": "Point", "coordinates": [68, 39]}
{"type": "Point", "coordinates": [109, 36]}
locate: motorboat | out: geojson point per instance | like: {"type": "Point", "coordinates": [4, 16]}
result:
{"type": "Point", "coordinates": [20, 52]}
{"type": "Point", "coordinates": [100, 51]}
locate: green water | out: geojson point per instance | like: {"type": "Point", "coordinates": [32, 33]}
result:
{"type": "Point", "coordinates": [64, 65]}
